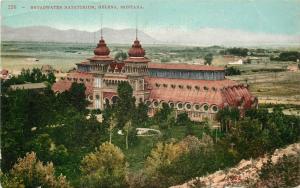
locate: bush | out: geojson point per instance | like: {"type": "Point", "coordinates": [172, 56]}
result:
{"type": "Point", "coordinates": [30, 172]}
{"type": "Point", "coordinates": [106, 167]}
{"type": "Point", "coordinates": [230, 71]}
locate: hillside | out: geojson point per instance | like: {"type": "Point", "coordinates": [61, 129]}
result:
{"type": "Point", "coordinates": [49, 34]}
{"type": "Point", "coordinates": [245, 171]}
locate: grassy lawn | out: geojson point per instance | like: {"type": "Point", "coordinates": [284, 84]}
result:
{"type": "Point", "coordinates": [137, 152]}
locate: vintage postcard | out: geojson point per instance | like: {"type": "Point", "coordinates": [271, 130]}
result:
{"type": "Point", "coordinates": [150, 93]}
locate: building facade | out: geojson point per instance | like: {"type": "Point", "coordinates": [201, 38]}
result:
{"type": "Point", "coordinates": [199, 90]}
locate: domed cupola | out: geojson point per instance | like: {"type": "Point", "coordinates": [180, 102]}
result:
{"type": "Point", "coordinates": [101, 49]}
{"type": "Point", "coordinates": [136, 50]}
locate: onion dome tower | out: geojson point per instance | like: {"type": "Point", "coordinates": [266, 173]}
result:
{"type": "Point", "coordinates": [101, 49]}
{"type": "Point", "coordinates": [136, 63]}
{"type": "Point", "coordinates": [101, 60]}
{"type": "Point", "coordinates": [136, 49]}
{"type": "Point", "coordinates": [101, 52]}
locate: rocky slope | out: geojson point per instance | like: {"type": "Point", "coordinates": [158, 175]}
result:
{"type": "Point", "coordinates": [245, 171]}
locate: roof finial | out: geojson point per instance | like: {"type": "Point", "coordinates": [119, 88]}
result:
{"type": "Point", "coordinates": [101, 27]}
{"type": "Point", "coordinates": [136, 28]}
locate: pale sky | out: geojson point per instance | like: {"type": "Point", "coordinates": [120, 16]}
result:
{"type": "Point", "coordinates": [259, 17]}
{"type": "Point", "coordinates": [266, 16]}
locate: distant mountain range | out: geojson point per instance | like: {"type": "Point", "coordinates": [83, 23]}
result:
{"type": "Point", "coordinates": [176, 36]}
{"type": "Point", "coordinates": [49, 34]}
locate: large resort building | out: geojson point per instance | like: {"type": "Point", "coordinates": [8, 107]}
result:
{"type": "Point", "coordinates": [199, 90]}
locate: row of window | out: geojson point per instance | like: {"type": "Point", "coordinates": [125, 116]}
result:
{"type": "Point", "coordinates": [184, 106]}
{"type": "Point", "coordinates": [76, 79]}
{"type": "Point", "coordinates": [173, 86]}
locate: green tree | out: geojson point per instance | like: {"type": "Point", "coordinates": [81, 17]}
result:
{"type": "Point", "coordinates": [125, 106]}
{"type": "Point", "coordinates": [164, 117]}
{"type": "Point", "coordinates": [120, 56]}
{"type": "Point", "coordinates": [106, 167]}
{"type": "Point", "coordinates": [42, 145]}
{"type": "Point", "coordinates": [23, 117]}
{"type": "Point", "coordinates": [60, 155]}
{"type": "Point", "coordinates": [183, 119]}
{"type": "Point", "coordinates": [208, 59]}
{"type": "Point", "coordinates": [51, 78]}
{"type": "Point", "coordinates": [77, 96]}
{"type": "Point", "coordinates": [228, 117]}
{"type": "Point", "coordinates": [140, 117]}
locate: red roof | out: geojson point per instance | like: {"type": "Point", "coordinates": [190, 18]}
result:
{"type": "Point", "coordinates": [63, 85]}
{"type": "Point", "coordinates": [101, 49]}
{"type": "Point", "coordinates": [101, 58]}
{"type": "Point", "coordinates": [137, 60]}
{"type": "Point", "coordinates": [181, 66]}
{"type": "Point", "coordinates": [136, 50]}
{"type": "Point", "coordinates": [217, 92]}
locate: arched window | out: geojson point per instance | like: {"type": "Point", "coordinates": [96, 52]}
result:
{"type": "Point", "coordinates": [171, 105]}
{"type": "Point", "coordinates": [197, 107]}
{"type": "Point", "coordinates": [148, 103]}
{"type": "Point", "coordinates": [179, 106]}
{"type": "Point", "coordinates": [188, 106]}
{"type": "Point", "coordinates": [205, 107]}
{"type": "Point", "coordinates": [214, 108]}
{"type": "Point", "coordinates": [90, 97]}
